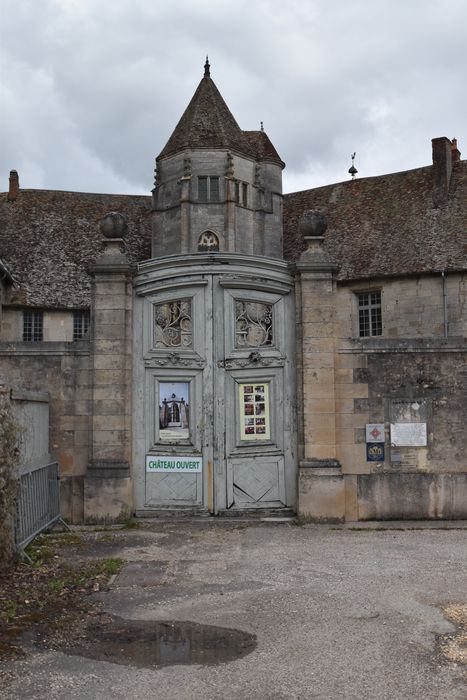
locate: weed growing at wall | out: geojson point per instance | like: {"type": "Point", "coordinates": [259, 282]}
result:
{"type": "Point", "coordinates": [10, 433]}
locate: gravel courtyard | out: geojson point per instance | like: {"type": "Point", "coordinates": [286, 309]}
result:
{"type": "Point", "coordinates": [328, 612]}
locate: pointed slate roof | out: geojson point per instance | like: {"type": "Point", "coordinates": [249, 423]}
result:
{"type": "Point", "coordinates": [207, 122]}
{"type": "Point", "coordinates": [263, 147]}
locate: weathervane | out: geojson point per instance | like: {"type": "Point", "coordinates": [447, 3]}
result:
{"type": "Point", "coordinates": [353, 170]}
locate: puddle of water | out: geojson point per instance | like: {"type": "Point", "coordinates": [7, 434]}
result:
{"type": "Point", "coordinates": [151, 644]}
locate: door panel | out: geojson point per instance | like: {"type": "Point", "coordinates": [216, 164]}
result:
{"type": "Point", "coordinates": [256, 482]}
{"type": "Point", "coordinates": [253, 379]}
{"type": "Point", "coordinates": [176, 489]}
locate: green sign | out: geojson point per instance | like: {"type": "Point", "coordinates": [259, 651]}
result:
{"type": "Point", "coordinates": [174, 463]}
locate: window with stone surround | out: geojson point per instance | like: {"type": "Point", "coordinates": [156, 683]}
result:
{"type": "Point", "coordinates": [33, 326]}
{"type": "Point", "coordinates": [208, 188]}
{"type": "Point", "coordinates": [369, 314]}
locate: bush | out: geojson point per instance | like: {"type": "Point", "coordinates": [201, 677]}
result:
{"type": "Point", "coordinates": [10, 433]}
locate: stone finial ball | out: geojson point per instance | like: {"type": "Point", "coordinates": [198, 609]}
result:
{"type": "Point", "coordinates": [113, 225]}
{"type": "Point", "coordinates": [312, 224]}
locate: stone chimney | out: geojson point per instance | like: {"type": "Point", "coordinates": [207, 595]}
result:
{"type": "Point", "coordinates": [13, 189]}
{"type": "Point", "coordinates": [456, 154]}
{"type": "Point", "coordinates": [442, 168]}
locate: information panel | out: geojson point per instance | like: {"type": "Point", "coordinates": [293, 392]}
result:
{"type": "Point", "coordinates": [408, 434]}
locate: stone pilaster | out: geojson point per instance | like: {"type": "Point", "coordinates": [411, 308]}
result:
{"type": "Point", "coordinates": [321, 488]}
{"type": "Point", "coordinates": [107, 490]}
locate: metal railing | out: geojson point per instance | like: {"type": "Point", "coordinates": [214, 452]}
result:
{"type": "Point", "coordinates": [37, 504]}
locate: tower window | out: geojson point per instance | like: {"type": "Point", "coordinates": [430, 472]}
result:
{"type": "Point", "coordinates": [241, 193]}
{"type": "Point", "coordinates": [369, 314]}
{"type": "Point", "coordinates": [33, 324]}
{"type": "Point", "coordinates": [80, 324]}
{"type": "Point", "coordinates": [244, 194]}
{"type": "Point", "coordinates": [208, 188]}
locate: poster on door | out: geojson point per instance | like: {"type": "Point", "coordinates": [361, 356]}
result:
{"type": "Point", "coordinates": [174, 411]}
{"type": "Point", "coordinates": [254, 411]}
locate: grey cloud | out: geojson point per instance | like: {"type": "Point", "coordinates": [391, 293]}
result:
{"type": "Point", "coordinates": [94, 89]}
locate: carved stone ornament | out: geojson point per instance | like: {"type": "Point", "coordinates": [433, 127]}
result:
{"type": "Point", "coordinates": [113, 225]}
{"type": "Point", "coordinates": [173, 359]}
{"type": "Point", "coordinates": [172, 324]}
{"type": "Point", "coordinates": [253, 324]}
{"type": "Point", "coordinates": [187, 167]}
{"type": "Point", "coordinates": [254, 359]}
{"type": "Point", "coordinates": [208, 242]}
{"type": "Point", "coordinates": [312, 224]}
{"type": "Point", "coordinates": [229, 169]}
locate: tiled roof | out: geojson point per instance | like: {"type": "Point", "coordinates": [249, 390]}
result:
{"type": "Point", "coordinates": [5, 273]}
{"type": "Point", "coordinates": [386, 225]}
{"type": "Point", "coordinates": [207, 122]}
{"type": "Point", "coordinates": [48, 239]}
{"type": "Point", "coordinates": [377, 227]}
{"type": "Point", "coordinates": [262, 146]}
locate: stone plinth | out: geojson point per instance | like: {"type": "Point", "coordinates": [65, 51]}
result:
{"type": "Point", "coordinates": [321, 491]}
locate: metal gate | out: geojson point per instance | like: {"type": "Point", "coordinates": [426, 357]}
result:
{"type": "Point", "coordinates": [37, 503]}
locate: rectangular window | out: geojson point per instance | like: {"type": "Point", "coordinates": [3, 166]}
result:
{"type": "Point", "coordinates": [80, 324]}
{"type": "Point", "coordinates": [214, 189]}
{"type": "Point", "coordinates": [208, 189]}
{"type": "Point", "coordinates": [203, 189]}
{"type": "Point", "coordinates": [241, 193]}
{"type": "Point", "coordinates": [369, 314]}
{"type": "Point", "coordinates": [244, 194]}
{"type": "Point", "coordinates": [33, 323]}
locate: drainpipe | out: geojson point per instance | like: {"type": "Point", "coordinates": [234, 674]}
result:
{"type": "Point", "coordinates": [445, 305]}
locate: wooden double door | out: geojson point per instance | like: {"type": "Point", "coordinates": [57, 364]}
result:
{"type": "Point", "coordinates": [215, 388]}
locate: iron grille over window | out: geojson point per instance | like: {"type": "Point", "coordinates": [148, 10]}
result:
{"type": "Point", "coordinates": [172, 324]}
{"type": "Point", "coordinates": [33, 323]}
{"type": "Point", "coordinates": [253, 324]}
{"type": "Point", "coordinates": [80, 324]}
{"type": "Point", "coordinates": [369, 314]}
{"type": "Point", "coordinates": [208, 189]}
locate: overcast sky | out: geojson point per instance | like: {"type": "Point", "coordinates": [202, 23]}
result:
{"type": "Point", "coordinates": [92, 89]}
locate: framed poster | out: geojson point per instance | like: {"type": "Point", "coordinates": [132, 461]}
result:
{"type": "Point", "coordinates": [174, 411]}
{"type": "Point", "coordinates": [254, 411]}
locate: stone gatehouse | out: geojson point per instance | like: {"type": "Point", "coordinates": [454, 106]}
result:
{"type": "Point", "coordinates": [220, 347]}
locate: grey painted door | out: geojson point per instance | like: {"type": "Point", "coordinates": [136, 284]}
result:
{"type": "Point", "coordinates": [215, 383]}
{"type": "Point", "coordinates": [254, 440]}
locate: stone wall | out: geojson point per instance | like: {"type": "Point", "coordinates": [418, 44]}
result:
{"type": "Point", "coordinates": [411, 363]}
{"type": "Point", "coordinates": [62, 370]}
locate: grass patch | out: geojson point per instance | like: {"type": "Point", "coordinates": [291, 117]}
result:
{"type": "Point", "coordinates": [53, 593]}
{"type": "Point", "coordinates": [112, 566]}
